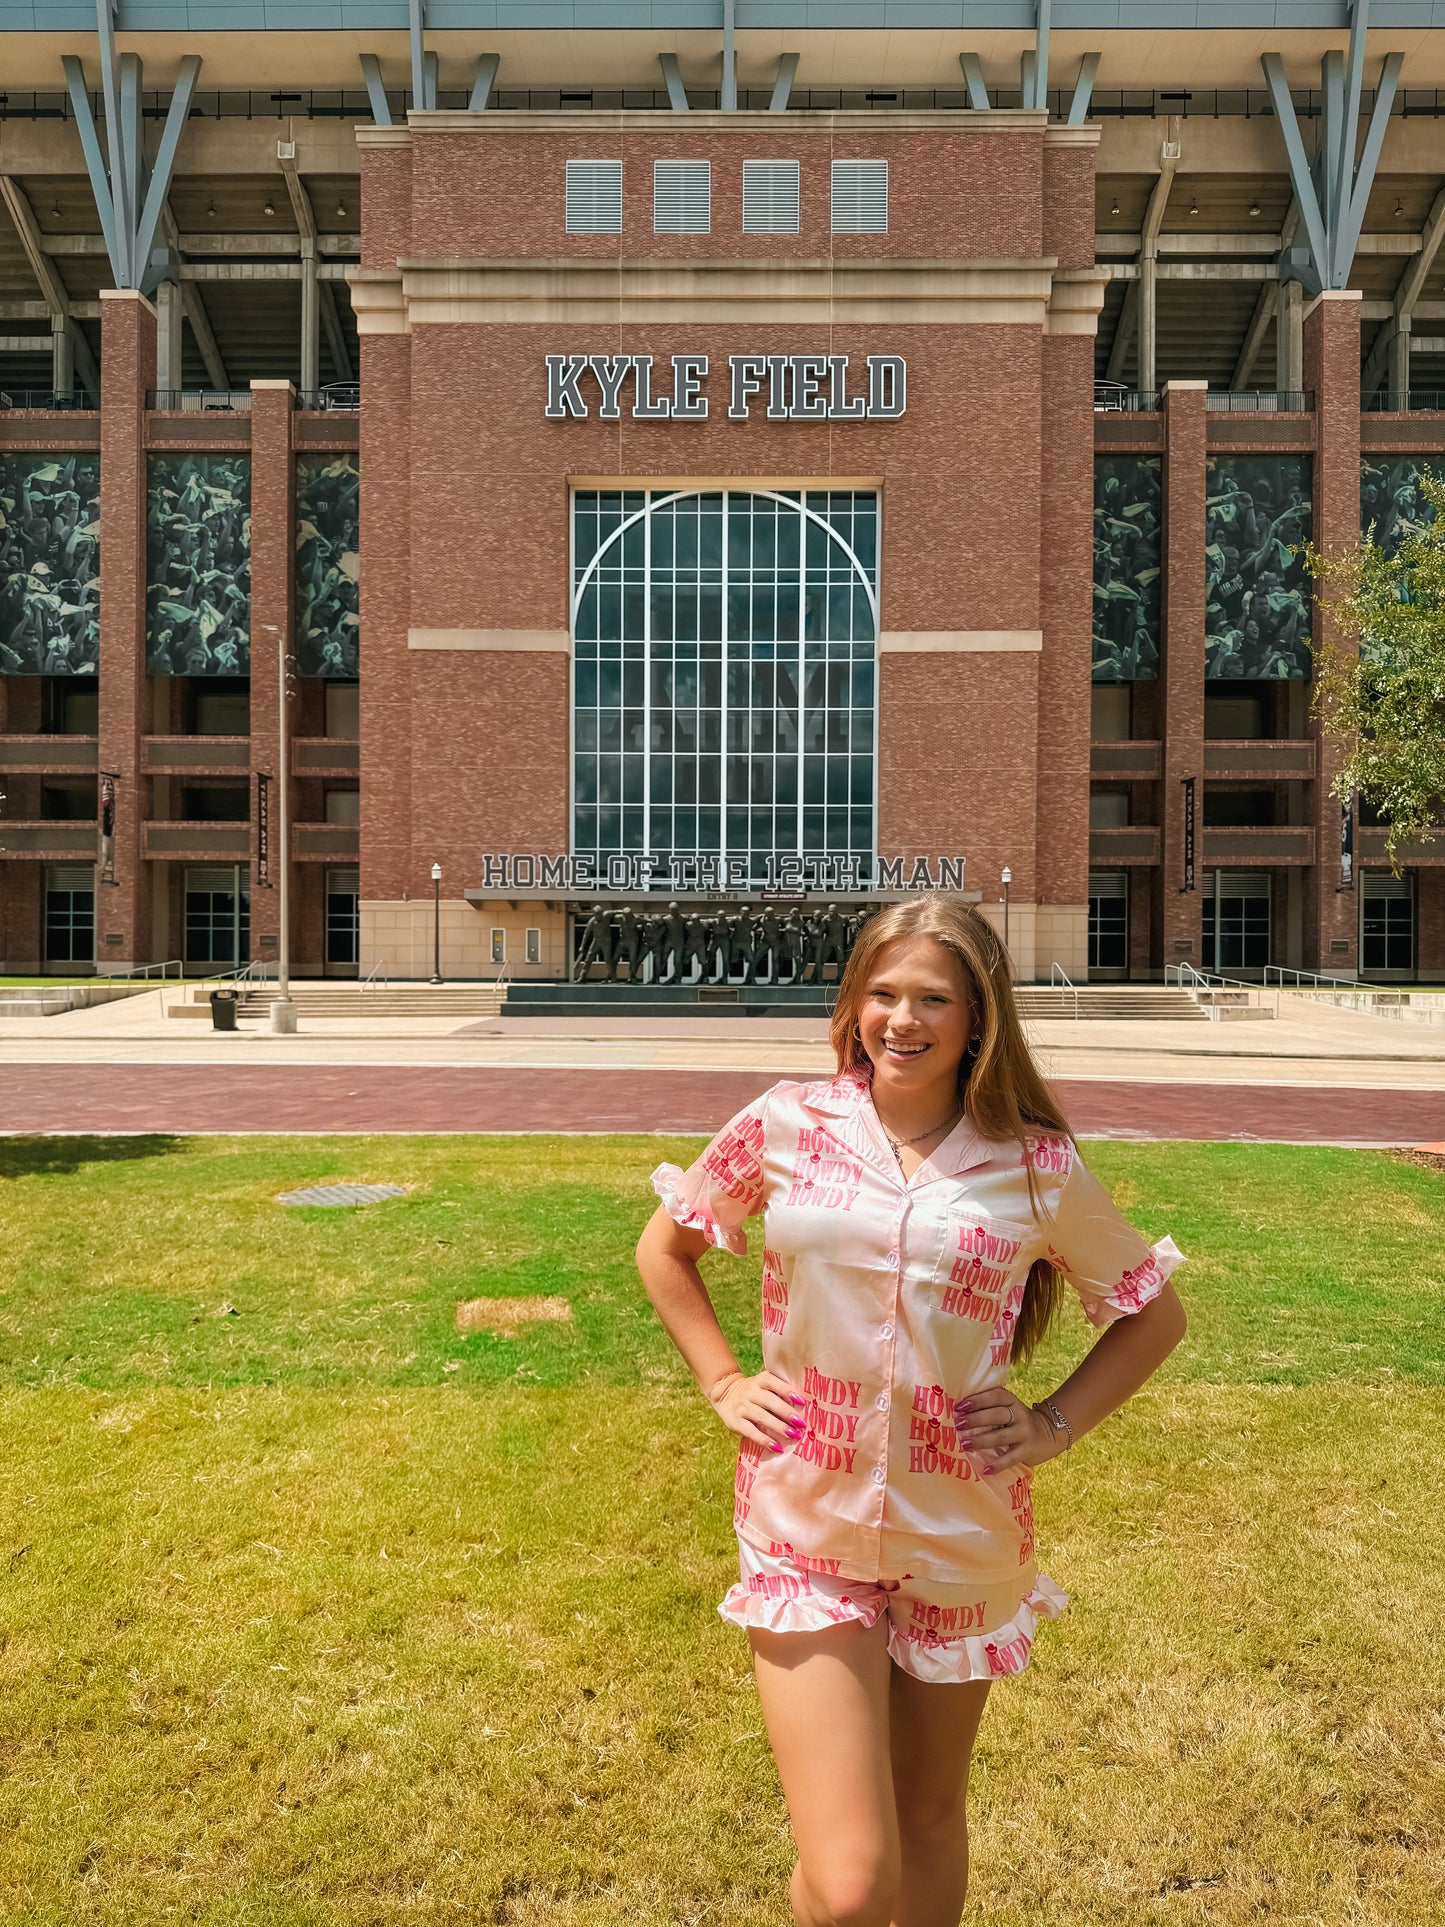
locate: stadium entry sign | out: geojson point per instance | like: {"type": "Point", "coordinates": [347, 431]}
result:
{"type": "Point", "coordinates": [784, 387]}
{"type": "Point", "coordinates": [639, 872]}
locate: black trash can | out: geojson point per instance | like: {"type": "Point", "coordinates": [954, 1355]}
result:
{"type": "Point", "coordinates": [223, 1009]}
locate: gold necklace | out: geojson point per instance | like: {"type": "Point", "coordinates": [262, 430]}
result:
{"type": "Point", "coordinates": [899, 1142]}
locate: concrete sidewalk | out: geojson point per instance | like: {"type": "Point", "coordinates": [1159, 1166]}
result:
{"type": "Point", "coordinates": [1309, 1043]}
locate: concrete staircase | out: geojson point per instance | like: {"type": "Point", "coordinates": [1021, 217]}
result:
{"type": "Point", "coordinates": [342, 1000]}
{"type": "Point", "coordinates": [1110, 1003]}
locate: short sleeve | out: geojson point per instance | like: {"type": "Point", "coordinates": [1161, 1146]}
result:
{"type": "Point", "coordinates": [1100, 1253]}
{"type": "Point", "coordinates": [724, 1187]}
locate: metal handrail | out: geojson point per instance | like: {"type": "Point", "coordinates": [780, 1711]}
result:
{"type": "Point", "coordinates": [145, 970]}
{"type": "Point", "coordinates": [1311, 982]}
{"type": "Point", "coordinates": [377, 970]}
{"type": "Point", "coordinates": [1188, 977]}
{"type": "Point", "coordinates": [1057, 976]}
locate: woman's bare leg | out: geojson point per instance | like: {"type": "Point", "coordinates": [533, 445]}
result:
{"type": "Point", "coordinates": [932, 1731]}
{"type": "Point", "coordinates": [825, 1700]}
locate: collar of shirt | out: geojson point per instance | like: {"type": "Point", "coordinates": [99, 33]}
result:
{"type": "Point", "coordinates": [848, 1101]}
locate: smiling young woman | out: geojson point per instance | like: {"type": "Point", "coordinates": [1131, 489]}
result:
{"type": "Point", "coordinates": [921, 1210]}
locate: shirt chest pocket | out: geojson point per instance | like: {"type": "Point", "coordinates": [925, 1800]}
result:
{"type": "Point", "coordinates": [982, 1265]}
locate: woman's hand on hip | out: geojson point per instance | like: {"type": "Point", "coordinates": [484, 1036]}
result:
{"type": "Point", "coordinates": [1003, 1432]}
{"type": "Point", "coordinates": [766, 1409]}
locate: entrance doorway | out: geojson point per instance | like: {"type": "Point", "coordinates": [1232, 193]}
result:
{"type": "Point", "coordinates": [1236, 906]}
{"type": "Point", "coordinates": [1387, 925]}
{"type": "Point", "coordinates": [69, 915]}
{"type": "Point", "coordinates": [1109, 923]}
{"type": "Point", "coordinates": [343, 922]}
{"type": "Point", "coordinates": [218, 915]}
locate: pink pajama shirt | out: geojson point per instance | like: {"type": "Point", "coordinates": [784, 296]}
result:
{"type": "Point", "coordinates": [885, 1301]}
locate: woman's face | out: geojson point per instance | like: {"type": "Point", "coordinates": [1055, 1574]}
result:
{"type": "Point", "coordinates": [915, 1020]}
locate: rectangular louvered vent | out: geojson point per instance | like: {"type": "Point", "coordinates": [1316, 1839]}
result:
{"type": "Point", "coordinates": [770, 197]}
{"type": "Point", "coordinates": [594, 197]}
{"type": "Point", "coordinates": [860, 197]}
{"type": "Point", "coordinates": [681, 197]}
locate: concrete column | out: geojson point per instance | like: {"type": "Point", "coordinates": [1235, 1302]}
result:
{"type": "Point", "coordinates": [169, 374]}
{"type": "Point", "coordinates": [1183, 679]}
{"type": "Point", "coordinates": [1289, 338]}
{"type": "Point", "coordinates": [128, 360]}
{"type": "Point", "coordinates": [310, 318]}
{"type": "Point", "coordinates": [62, 355]}
{"type": "Point", "coordinates": [1397, 378]}
{"type": "Point", "coordinates": [1148, 313]}
{"type": "Point", "coordinates": [272, 579]}
{"type": "Point", "coordinates": [1332, 370]}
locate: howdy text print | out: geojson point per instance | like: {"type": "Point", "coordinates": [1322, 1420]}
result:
{"type": "Point", "coordinates": [933, 1445]}
{"type": "Point", "coordinates": [982, 1259]}
{"type": "Point", "coordinates": [825, 1175]}
{"type": "Point", "coordinates": [831, 1440]}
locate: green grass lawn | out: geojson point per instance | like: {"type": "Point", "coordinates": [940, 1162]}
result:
{"type": "Point", "coordinates": [313, 1610]}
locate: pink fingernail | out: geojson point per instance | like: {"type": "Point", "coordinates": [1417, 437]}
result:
{"type": "Point", "coordinates": [967, 1444]}
{"type": "Point", "coordinates": [777, 1448]}
{"type": "Point", "coordinates": [796, 1400]}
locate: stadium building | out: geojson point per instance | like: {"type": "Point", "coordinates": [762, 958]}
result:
{"type": "Point", "coordinates": [486, 460]}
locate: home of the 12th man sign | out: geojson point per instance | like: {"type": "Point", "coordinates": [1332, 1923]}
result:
{"type": "Point", "coordinates": [795, 387]}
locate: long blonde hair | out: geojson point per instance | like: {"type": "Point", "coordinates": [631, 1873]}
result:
{"type": "Point", "coordinates": [1003, 1094]}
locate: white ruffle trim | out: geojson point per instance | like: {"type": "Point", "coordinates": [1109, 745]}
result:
{"type": "Point", "coordinates": [1104, 1311]}
{"type": "Point", "coordinates": [667, 1182]}
{"type": "Point", "coordinates": [935, 1660]}
{"type": "Point", "coordinates": [809, 1614]}
{"type": "Point", "coordinates": [949, 1662]}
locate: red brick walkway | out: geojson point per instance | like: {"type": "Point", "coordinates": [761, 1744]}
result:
{"type": "Point", "coordinates": [102, 1098]}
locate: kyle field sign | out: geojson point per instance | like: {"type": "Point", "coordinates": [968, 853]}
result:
{"type": "Point", "coordinates": [792, 388]}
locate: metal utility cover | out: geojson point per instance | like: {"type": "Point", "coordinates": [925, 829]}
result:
{"type": "Point", "coordinates": [336, 1194]}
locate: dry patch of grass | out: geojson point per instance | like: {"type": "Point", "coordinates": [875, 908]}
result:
{"type": "Point", "coordinates": [440, 1656]}
{"type": "Point", "coordinates": [507, 1315]}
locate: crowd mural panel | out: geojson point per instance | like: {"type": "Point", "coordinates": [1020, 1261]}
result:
{"type": "Point", "coordinates": [1127, 562]}
{"type": "Point", "coordinates": [328, 566]}
{"type": "Point", "coordinates": [198, 565]}
{"type": "Point", "coordinates": [49, 565]}
{"type": "Point", "coordinates": [1258, 516]}
{"type": "Point", "coordinates": [1391, 503]}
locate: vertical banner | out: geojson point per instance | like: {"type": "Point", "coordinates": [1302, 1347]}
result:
{"type": "Point", "coordinates": [107, 826]}
{"type": "Point", "coordinates": [1188, 883]}
{"type": "Point", "coordinates": [1347, 843]}
{"type": "Point", "coordinates": [263, 830]}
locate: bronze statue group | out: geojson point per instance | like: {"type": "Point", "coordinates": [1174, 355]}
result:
{"type": "Point", "coordinates": [715, 944]}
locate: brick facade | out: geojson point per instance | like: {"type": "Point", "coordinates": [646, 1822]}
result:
{"type": "Point", "coordinates": [468, 281]}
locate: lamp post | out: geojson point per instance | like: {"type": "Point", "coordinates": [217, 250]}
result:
{"type": "Point", "coordinates": [1008, 877]}
{"type": "Point", "coordinates": [283, 1011]}
{"type": "Point", "coordinates": [436, 922]}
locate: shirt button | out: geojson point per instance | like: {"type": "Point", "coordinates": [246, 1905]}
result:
{"type": "Point", "coordinates": [882, 1401]}
{"type": "Point", "coordinates": [893, 1258]}
{"type": "Point", "coordinates": [878, 1475]}
{"type": "Point", "coordinates": [887, 1331]}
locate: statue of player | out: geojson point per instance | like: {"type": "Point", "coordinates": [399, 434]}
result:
{"type": "Point", "coordinates": [628, 944]}
{"type": "Point", "coordinates": [672, 946]}
{"type": "Point", "coordinates": [767, 945]}
{"type": "Point", "coordinates": [596, 945]}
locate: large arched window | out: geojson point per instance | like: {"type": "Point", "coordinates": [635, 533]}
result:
{"type": "Point", "coordinates": [725, 646]}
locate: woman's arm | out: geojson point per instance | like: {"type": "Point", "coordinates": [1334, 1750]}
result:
{"type": "Point", "coordinates": [1126, 1356]}
{"type": "Point", "coordinates": [764, 1408]}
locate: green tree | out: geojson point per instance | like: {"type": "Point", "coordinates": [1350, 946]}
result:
{"type": "Point", "coordinates": [1387, 701]}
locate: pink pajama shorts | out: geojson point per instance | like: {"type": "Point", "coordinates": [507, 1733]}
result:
{"type": "Point", "coordinates": [939, 1632]}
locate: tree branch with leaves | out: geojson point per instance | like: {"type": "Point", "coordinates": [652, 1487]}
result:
{"type": "Point", "coordinates": [1386, 698]}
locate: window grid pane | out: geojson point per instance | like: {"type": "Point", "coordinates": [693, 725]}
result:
{"type": "Point", "coordinates": [724, 680]}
